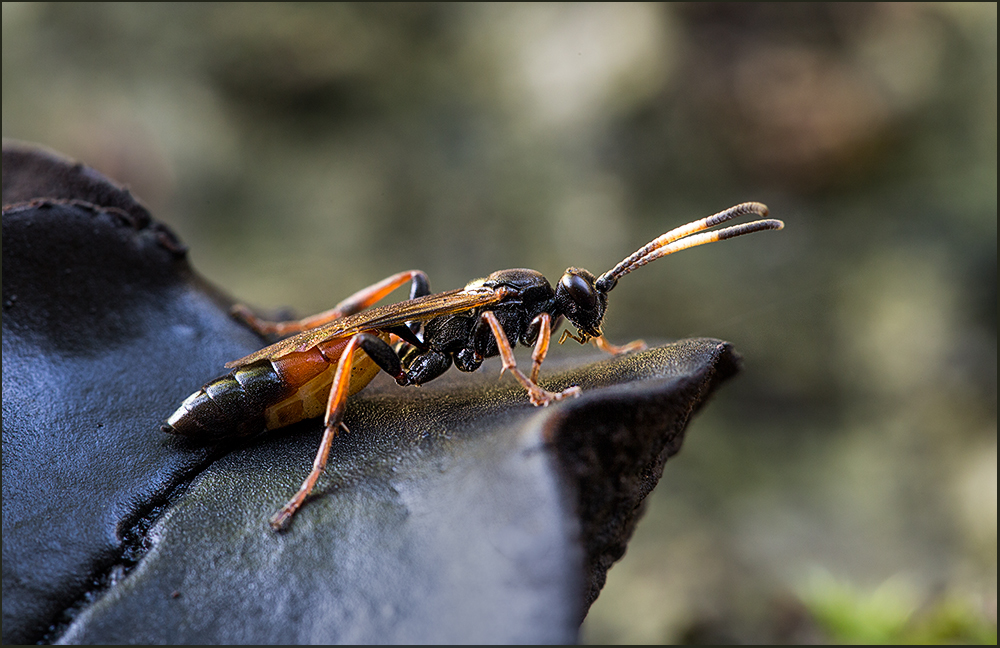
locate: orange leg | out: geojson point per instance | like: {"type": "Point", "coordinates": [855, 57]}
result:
{"type": "Point", "coordinates": [537, 395]}
{"type": "Point", "coordinates": [614, 349]}
{"type": "Point", "coordinates": [357, 302]}
{"type": "Point", "coordinates": [333, 423]}
{"type": "Point", "coordinates": [541, 344]}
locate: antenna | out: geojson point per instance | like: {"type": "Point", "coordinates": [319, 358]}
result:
{"type": "Point", "coordinates": [686, 236]}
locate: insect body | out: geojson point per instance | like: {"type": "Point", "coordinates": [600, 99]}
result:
{"type": "Point", "coordinates": [314, 371]}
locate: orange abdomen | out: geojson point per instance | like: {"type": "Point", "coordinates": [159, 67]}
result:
{"type": "Point", "coordinates": [313, 387]}
{"type": "Point", "coordinates": [268, 394]}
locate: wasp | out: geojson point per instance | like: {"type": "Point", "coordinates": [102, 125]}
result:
{"type": "Point", "coordinates": [315, 370]}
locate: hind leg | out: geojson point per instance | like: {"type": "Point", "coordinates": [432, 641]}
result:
{"type": "Point", "coordinates": [359, 301]}
{"type": "Point", "coordinates": [333, 421]}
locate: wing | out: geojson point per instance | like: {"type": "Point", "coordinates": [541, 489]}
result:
{"type": "Point", "coordinates": [412, 310]}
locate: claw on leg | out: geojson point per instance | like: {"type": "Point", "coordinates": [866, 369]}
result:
{"type": "Point", "coordinates": [545, 397]}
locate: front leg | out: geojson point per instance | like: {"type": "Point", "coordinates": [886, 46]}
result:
{"type": "Point", "coordinates": [359, 301]}
{"type": "Point", "coordinates": [544, 324]}
{"type": "Point", "coordinates": [537, 394]}
{"type": "Point", "coordinates": [602, 344]}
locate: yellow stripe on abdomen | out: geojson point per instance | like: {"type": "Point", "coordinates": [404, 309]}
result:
{"type": "Point", "coordinates": [310, 400]}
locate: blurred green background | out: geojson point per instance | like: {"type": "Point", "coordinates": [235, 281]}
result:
{"type": "Point", "coordinates": [844, 487]}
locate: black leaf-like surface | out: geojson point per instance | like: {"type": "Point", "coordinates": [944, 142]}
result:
{"type": "Point", "coordinates": [455, 512]}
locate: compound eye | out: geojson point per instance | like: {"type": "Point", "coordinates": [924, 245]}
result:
{"type": "Point", "coordinates": [580, 290]}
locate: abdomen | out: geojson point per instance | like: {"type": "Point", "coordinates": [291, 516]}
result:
{"type": "Point", "coordinates": [267, 394]}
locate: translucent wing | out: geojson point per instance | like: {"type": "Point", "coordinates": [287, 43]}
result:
{"type": "Point", "coordinates": [379, 317]}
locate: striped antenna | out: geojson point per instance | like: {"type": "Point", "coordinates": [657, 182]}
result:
{"type": "Point", "coordinates": [686, 236]}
